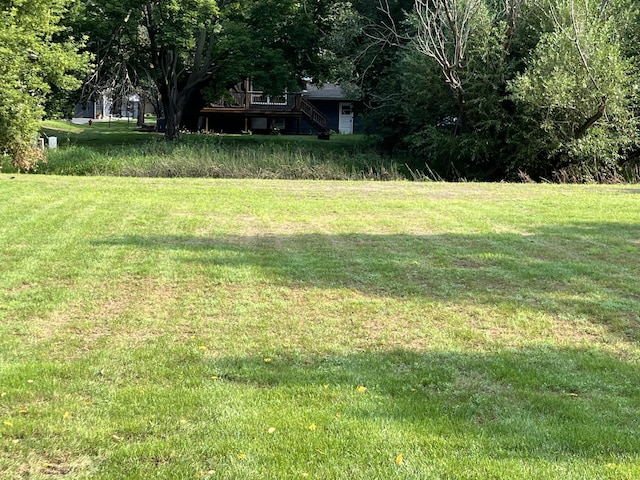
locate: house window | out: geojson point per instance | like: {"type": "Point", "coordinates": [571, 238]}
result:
{"type": "Point", "coordinates": [346, 109]}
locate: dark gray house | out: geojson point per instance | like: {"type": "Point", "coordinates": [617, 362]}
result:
{"type": "Point", "coordinates": [314, 110]}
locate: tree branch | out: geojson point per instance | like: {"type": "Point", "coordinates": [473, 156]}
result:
{"type": "Point", "coordinates": [582, 131]}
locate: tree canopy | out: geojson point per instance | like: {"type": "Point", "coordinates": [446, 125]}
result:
{"type": "Point", "coordinates": [483, 89]}
{"type": "Point", "coordinates": [505, 89]}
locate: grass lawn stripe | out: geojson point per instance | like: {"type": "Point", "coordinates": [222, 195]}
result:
{"type": "Point", "coordinates": [273, 329]}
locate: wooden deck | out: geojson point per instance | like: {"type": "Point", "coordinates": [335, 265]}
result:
{"type": "Point", "coordinates": [257, 104]}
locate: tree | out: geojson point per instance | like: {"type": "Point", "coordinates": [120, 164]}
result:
{"type": "Point", "coordinates": [179, 38]}
{"type": "Point", "coordinates": [453, 59]}
{"type": "Point", "coordinates": [442, 34]}
{"type": "Point", "coordinates": [576, 95]}
{"type": "Point", "coordinates": [494, 89]}
{"type": "Point", "coordinates": [182, 46]}
{"type": "Point", "coordinates": [35, 53]}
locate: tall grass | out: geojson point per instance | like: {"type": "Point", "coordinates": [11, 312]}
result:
{"type": "Point", "coordinates": [118, 149]}
{"type": "Point", "coordinates": [220, 160]}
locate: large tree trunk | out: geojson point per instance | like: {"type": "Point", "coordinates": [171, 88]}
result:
{"type": "Point", "coordinates": [141, 111]}
{"type": "Point", "coordinates": [173, 104]}
{"type": "Point", "coordinates": [170, 129]}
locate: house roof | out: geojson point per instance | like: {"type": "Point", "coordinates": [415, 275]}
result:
{"type": "Point", "coordinates": [328, 91]}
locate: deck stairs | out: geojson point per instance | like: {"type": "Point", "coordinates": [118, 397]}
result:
{"type": "Point", "coordinates": [313, 116]}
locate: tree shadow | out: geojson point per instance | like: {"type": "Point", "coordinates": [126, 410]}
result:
{"type": "Point", "coordinates": [587, 270]}
{"type": "Point", "coordinates": [529, 403]}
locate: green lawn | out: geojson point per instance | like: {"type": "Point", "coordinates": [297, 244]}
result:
{"type": "Point", "coordinates": [234, 329]}
{"type": "Point", "coordinates": [99, 134]}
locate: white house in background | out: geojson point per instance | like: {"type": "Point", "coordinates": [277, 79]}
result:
{"type": "Point", "coordinates": [104, 106]}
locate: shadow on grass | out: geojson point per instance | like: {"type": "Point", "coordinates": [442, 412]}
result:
{"type": "Point", "coordinates": [547, 403]}
{"type": "Point", "coordinates": [590, 270]}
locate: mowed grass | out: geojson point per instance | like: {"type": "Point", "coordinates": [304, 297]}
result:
{"type": "Point", "coordinates": [234, 329]}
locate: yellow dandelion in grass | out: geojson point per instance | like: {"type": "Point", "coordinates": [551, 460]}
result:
{"type": "Point", "coordinates": [312, 427]}
{"type": "Point", "coordinates": [242, 456]}
{"type": "Point", "coordinates": [271, 430]}
{"type": "Point", "coordinates": [267, 360]}
{"type": "Point", "coordinates": [361, 389]}
{"type": "Point", "coordinates": [3, 394]}
{"type": "Point", "coordinates": [66, 415]}
{"type": "Point", "coordinates": [325, 387]}
{"type": "Point", "coordinates": [399, 459]}
{"type": "Point", "coordinates": [214, 377]}
{"type": "Point", "coordinates": [23, 411]}
{"type": "Point", "coordinates": [203, 347]}
{"type": "Point", "coordinates": [8, 424]}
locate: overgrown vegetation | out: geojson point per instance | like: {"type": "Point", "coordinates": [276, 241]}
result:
{"type": "Point", "coordinates": [509, 89]}
{"type": "Point", "coordinates": [118, 148]}
{"type": "Point", "coordinates": [33, 59]}
{"type": "Point", "coordinates": [197, 328]}
{"type": "Point", "coordinates": [468, 89]}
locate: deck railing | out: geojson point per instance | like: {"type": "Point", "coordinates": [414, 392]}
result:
{"type": "Point", "coordinates": [258, 100]}
{"type": "Point", "coordinates": [313, 115]}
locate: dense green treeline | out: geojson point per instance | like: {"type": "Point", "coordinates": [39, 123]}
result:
{"type": "Point", "coordinates": [473, 89]}
{"type": "Point", "coordinates": [36, 57]}
{"type": "Point", "coordinates": [514, 89]}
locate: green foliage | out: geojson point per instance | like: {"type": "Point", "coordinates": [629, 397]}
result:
{"type": "Point", "coordinates": [576, 70]}
{"type": "Point", "coordinates": [32, 59]}
{"type": "Point", "coordinates": [548, 90]}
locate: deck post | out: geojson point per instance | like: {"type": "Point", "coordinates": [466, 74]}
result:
{"type": "Point", "coordinates": [206, 124]}
{"type": "Point", "coordinates": [247, 93]}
